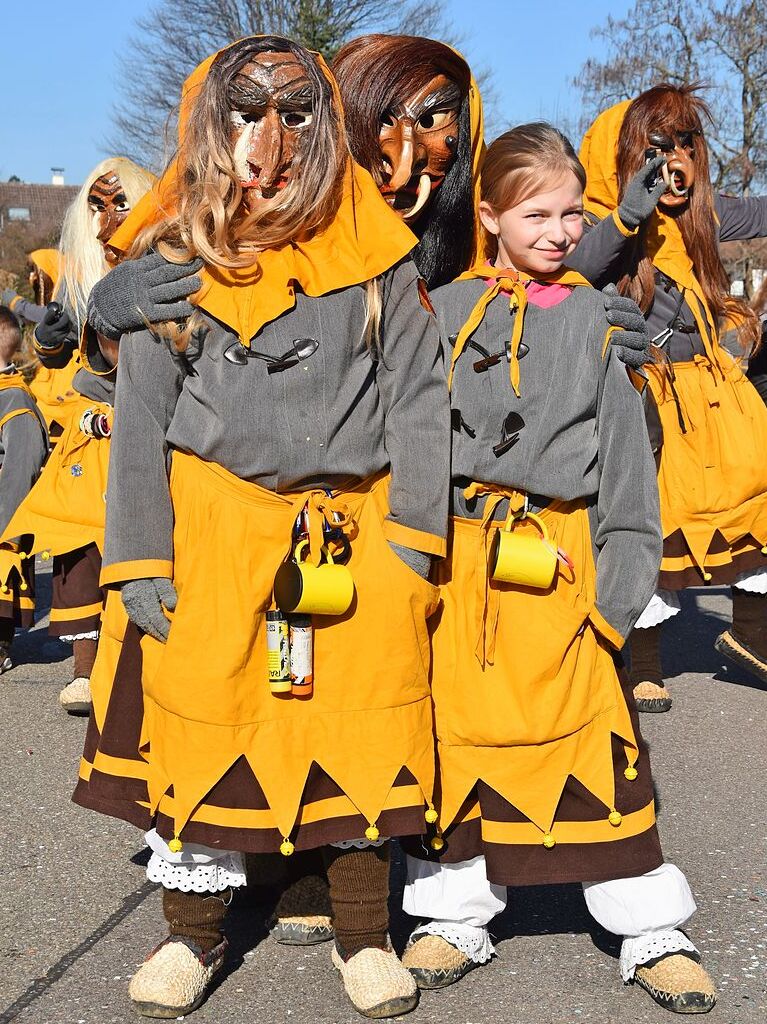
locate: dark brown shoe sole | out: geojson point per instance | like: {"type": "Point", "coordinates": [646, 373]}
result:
{"type": "Point", "coordinates": [679, 1002]}
{"type": "Point", "coordinates": [741, 655]}
{"type": "Point", "coordinates": [428, 979]}
{"type": "Point", "coordinates": [653, 705]}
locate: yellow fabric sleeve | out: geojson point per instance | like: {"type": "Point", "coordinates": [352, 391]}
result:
{"type": "Point", "coordinates": [429, 543]}
{"type": "Point", "coordinates": [611, 635]}
{"type": "Point", "coordinates": [140, 569]}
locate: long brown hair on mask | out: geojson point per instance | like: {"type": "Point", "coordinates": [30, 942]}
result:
{"type": "Point", "coordinates": [374, 73]}
{"type": "Point", "coordinates": [673, 108]}
{"type": "Point", "coordinates": [211, 220]}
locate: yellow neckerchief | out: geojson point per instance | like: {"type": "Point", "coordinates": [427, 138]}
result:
{"type": "Point", "coordinates": [364, 239]}
{"type": "Point", "coordinates": [13, 379]}
{"type": "Point", "coordinates": [511, 283]}
{"type": "Point", "coordinates": [49, 261]}
{"type": "Point", "coordinates": [665, 245]}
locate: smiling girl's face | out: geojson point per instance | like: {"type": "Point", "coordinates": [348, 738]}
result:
{"type": "Point", "coordinates": [538, 234]}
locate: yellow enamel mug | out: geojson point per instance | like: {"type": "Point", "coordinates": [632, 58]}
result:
{"type": "Point", "coordinates": [529, 560]}
{"type": "Point", "coordinates": [325, 589]}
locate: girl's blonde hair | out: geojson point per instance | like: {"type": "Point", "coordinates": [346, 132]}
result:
{"type": "Point", "coordinates": [529, 159]}
{"type": "Point", "coordinates": [82, 255]}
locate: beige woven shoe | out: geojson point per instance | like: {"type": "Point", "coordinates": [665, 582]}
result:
{"type": "Point", "coordinates": [435, 963]}
{"type": "Point", "coordinates": [302, 931]}
{"type": "Point", "coordinates": [76, 697]}
{"type": "Point", "coordinates": [651, 697]}
{"type": "Point", "coordinates": [678, 983]}
{"type": "Point", "coordinates": [376, 983]}
{"type": "Point", "coordinates": [174, 979]}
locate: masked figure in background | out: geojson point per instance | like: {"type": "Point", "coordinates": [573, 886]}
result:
{"type": "Point", "coordinates": [707, 424]}
{"type": "Point", "coordinates": [64, 511]}
{"type": "Point", "coordinates": [308, 366]}
{"type": "Point", "coordinates": [51, 385]}
{"type": "Point", "coordinates": [23, 447]}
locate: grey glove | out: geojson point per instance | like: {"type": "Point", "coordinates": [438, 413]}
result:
{"type": "Point", "coordinates": [7, 295]}
{"type": "Point", "coordinates": [633, 343]}
{"type": "Point", "coordinates": [55, 327]}
{"type": "Point", "coordinates": [641, 195]}
{"type": "Point", "coordinates": [145, 291]}
{"type": "Point", "coordinates": [418, 561]}
{"type": "Point", "coordinates": [144, 600]}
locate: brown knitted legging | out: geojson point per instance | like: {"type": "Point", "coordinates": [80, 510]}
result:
{"type": "Point", "coordinates": [749, 621]}
{"type": "Point", "coordinates": [196, 915]}
{"type": "Point", "coordinates": [85, 656]}
{"type": "Point", "coordinates": [645, 656]}
{"type": "Point", "coordinates": [359, 894]}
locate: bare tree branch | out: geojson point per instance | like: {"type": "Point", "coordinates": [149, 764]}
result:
{"type": "Point", "coordinates": [723, 42]}
{"type": "Point", "coordinates": [176, 35]}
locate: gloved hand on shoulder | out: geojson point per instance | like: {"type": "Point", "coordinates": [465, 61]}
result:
{"type": "Point", "coordinates": [139, 292]}
{"type": "Point", "coordinates": [632, 342]}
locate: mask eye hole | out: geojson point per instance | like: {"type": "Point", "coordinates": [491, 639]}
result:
{"type": "Point", "coordinates": [662, 141]}
{"type": "Point", "coordinates": [296, 119]}
{"type": "Point", "coordinates": [387, 119]}
{"type": "Point", "coordinates": [434, 119]}
{"type": "Point", "coordinates": [686, 139]}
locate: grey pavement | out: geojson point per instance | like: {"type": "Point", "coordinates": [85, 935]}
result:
{"type": "Point", "coordinates": [77, 916]}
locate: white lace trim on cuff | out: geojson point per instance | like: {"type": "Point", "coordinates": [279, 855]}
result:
{"type": "Point", "coordinates": [215, 877]}
{"type": "Point", "coordinates": [753, 581]}
{"type": "Point", "coordinates": [664, 604]}
{"type": "Point", "coordinates": [71, 637]}
{"type": "Point", "coordinates": [643, 948]}
{"type": "Point", "coordinates": [359, 844]}
{"type": "Point", "coordinates": [472, 940]}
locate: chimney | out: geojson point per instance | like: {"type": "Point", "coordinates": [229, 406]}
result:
{"type": "Point", "coordinates": [57, 175]}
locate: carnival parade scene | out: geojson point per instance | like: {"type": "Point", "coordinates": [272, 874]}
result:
{"type": "Point", "coordinates": [383, 511]}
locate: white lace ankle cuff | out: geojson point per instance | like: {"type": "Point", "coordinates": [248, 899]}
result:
{"type": "Point", "coordinates": [215, 877]}
{"type": "Point", "coordinates": [643, 948]}
{"type": "Point", "coordinates": [472, 940]}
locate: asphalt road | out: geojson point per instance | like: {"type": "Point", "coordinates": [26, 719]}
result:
{"type": "Point", "coordinates": [77, 916]}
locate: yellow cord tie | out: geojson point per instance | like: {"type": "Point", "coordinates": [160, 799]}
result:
{"type": "Point", "coordinates": [510, 284]}
{"type": "Point", "coordinates": [488, 599]}
{"type": "Point", "coordinates": [323, 508]}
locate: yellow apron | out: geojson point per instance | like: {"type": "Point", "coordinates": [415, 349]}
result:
{"type": "Point", "coordinates": [712, 476]}
{"type": "Point", "coordinates": [207, 701]}
{"type": "Point", "coordinates": [65, 509]}
{"type": "Point", "coordinates": [526, 693]}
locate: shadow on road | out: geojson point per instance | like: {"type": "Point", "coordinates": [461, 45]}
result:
{"type": "Point", "coordinates": [688, 642]}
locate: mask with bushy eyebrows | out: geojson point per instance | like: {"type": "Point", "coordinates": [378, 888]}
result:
{"type": "Point", "coordinates": [271, 103]}
{"type": "Point", "coordinates": [418, 139]}
{"type": "Point", "coordinates": [109, 205]}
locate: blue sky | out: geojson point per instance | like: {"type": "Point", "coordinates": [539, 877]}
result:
{"type": "Point", "coordinates": [59, 77]}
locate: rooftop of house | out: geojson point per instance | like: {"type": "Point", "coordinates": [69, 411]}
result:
{"type": "Point", "coordinates": [41, 206]}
